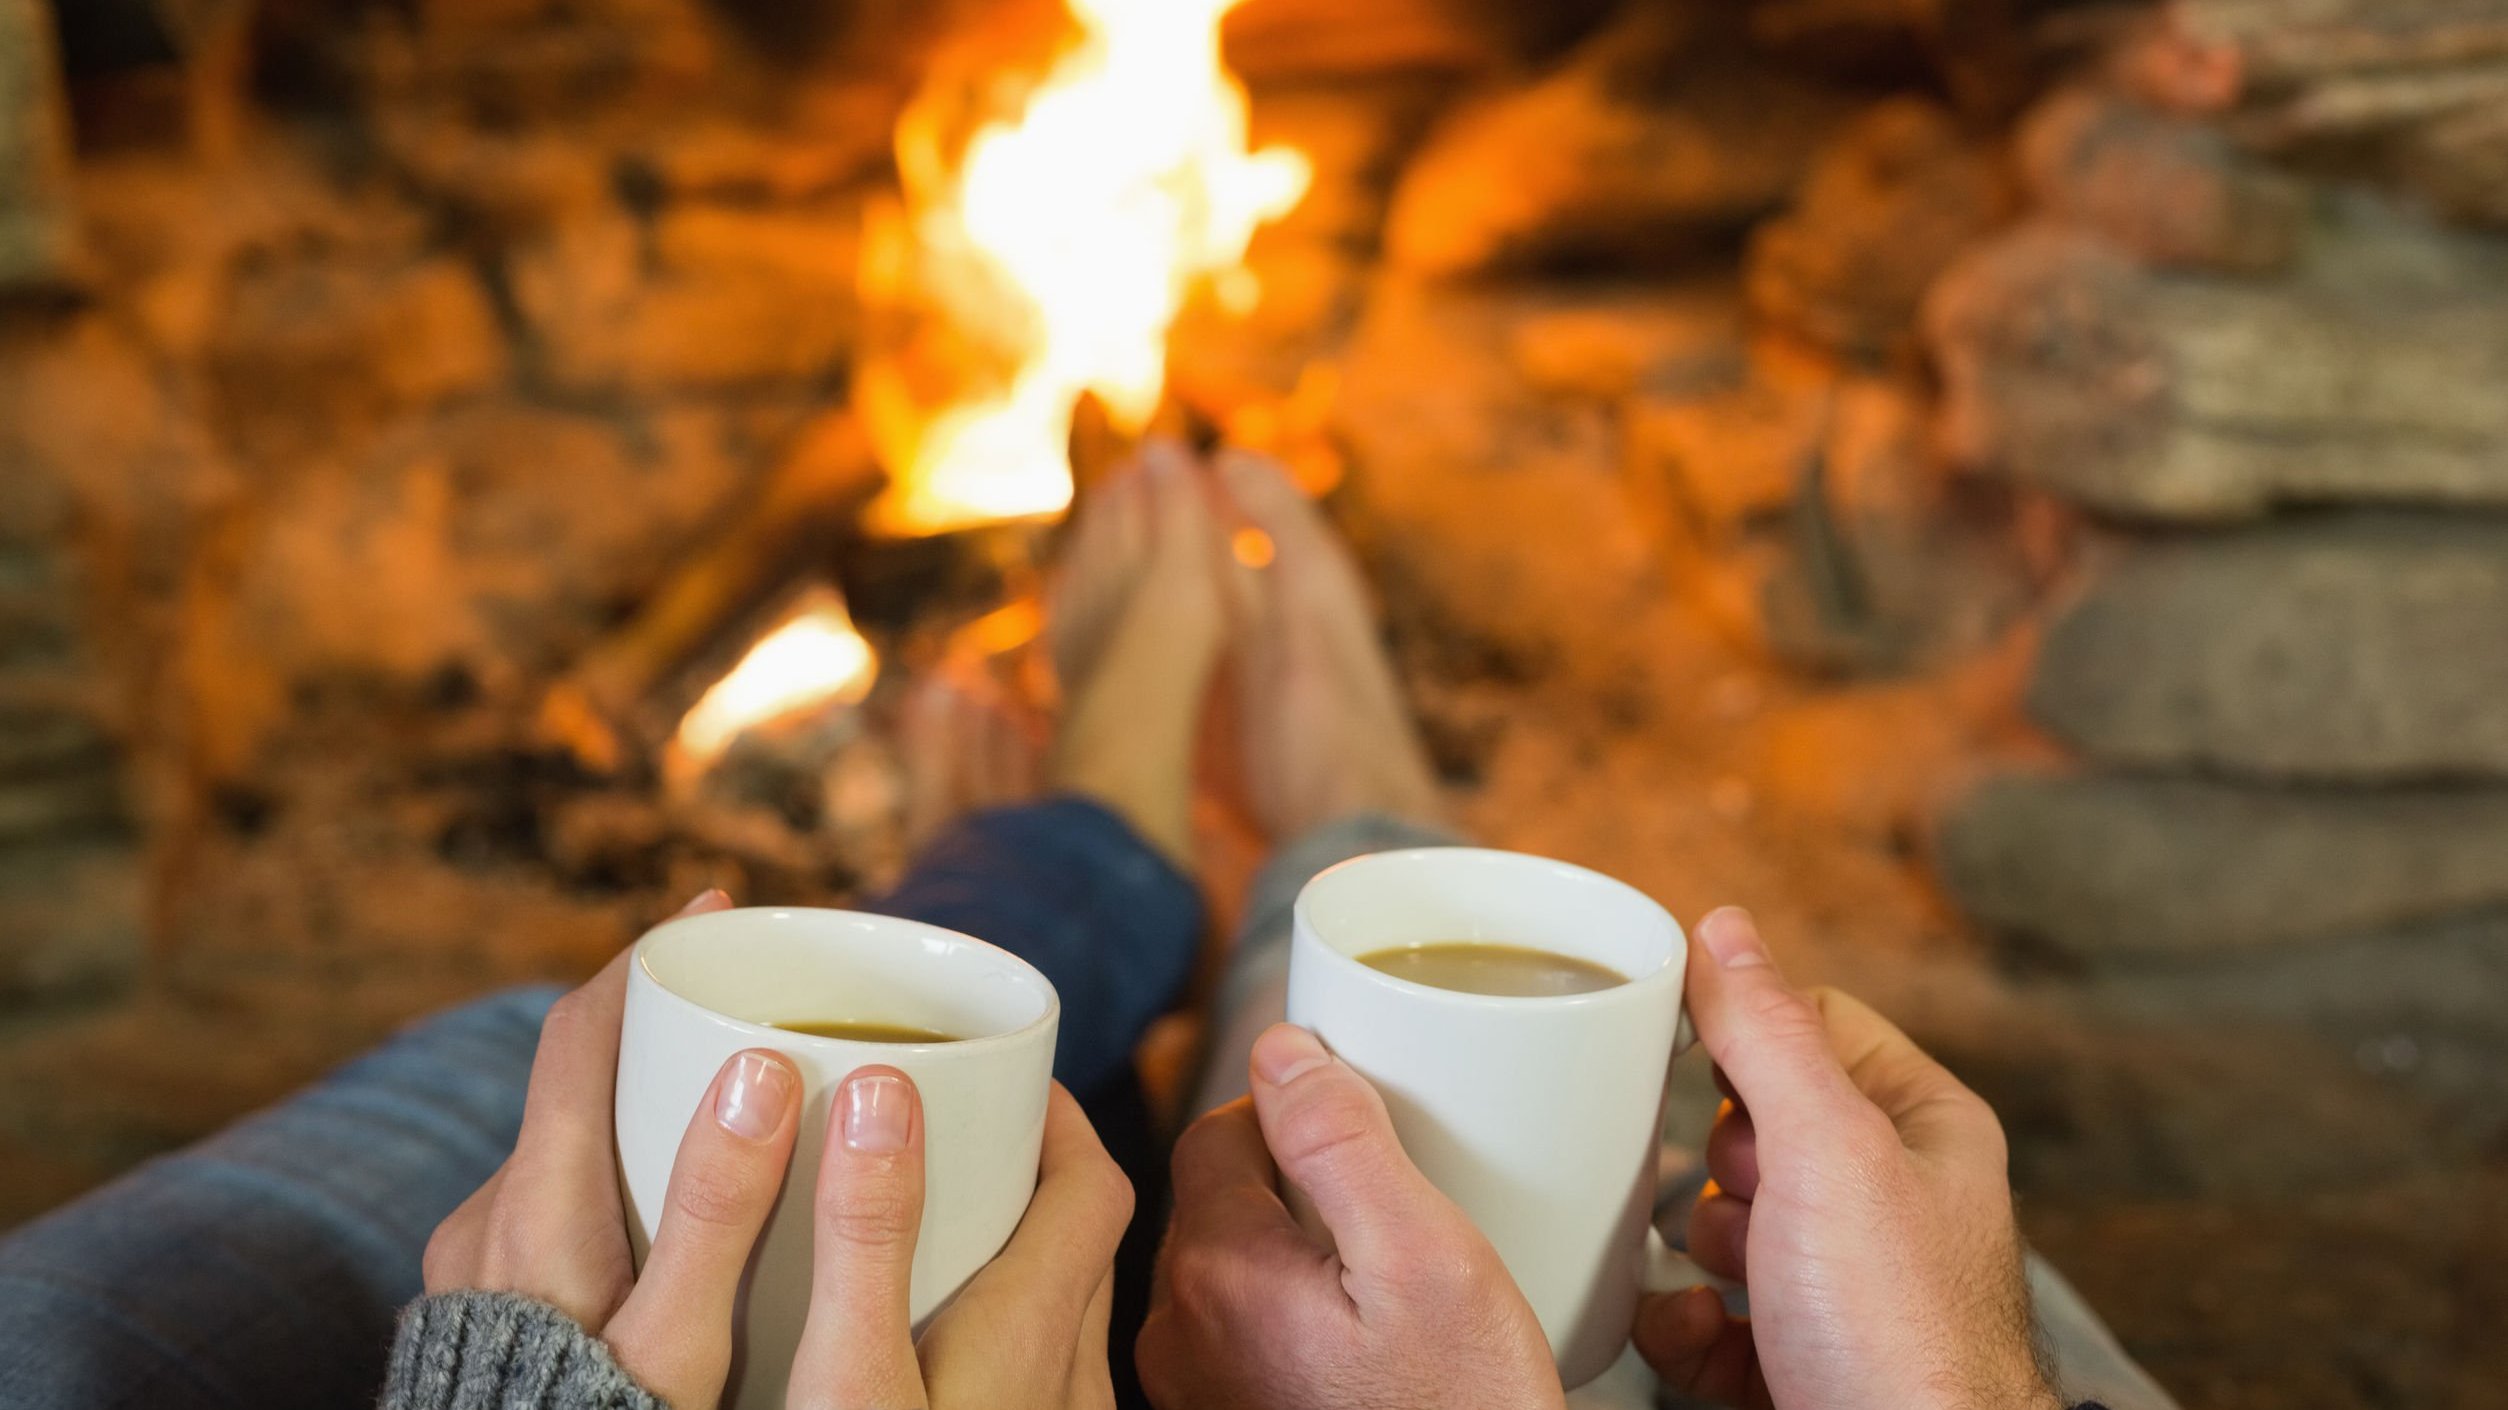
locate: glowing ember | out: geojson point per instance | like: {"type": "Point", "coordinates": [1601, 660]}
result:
{"type": "Point", "coordinates": [1056, 253]}
{"type": "Point", "coordinates": [814, 658]}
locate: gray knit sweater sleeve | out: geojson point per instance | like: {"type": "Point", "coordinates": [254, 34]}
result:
{"type": "Point", "coordinates": [503, 1351]}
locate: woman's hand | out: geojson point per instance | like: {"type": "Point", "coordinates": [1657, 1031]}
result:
{"type": "Point", "coordinates": [549, 1223]}
{"type": "Point", "coordinates": [1860, 1194]}
{"type": "Point", "coordinates": [1028, 1331]}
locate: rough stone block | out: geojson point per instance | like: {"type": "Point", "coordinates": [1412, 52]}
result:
{"type": "Point", "coordinates": [1644, 143]}
{"type": "Point", "coordinates": [2361, 378]}
{"type": "Point", "coordinates": [2119, 869]}
{"type": "Point", "coordinates": [707, 298]}
{"type": "Point", "coordinates": [494, 537]}
{"type": "Point", "coordinates": [308, 350]}
{"type": "Point", "coordinates": [2363, 648]}
{"type": "Point", "coordinates": [1468, 478]}
{"type": "Point", "coordinates": [75, 919]}
{"type": "Point", "coordinates": [1886, 208]}
{"type": "Point", "coordinates": [38, 238]}
{"type": "Point", "coordinates": [2170, 191]}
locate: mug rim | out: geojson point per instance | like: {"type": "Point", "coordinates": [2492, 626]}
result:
{"type": "Point", "coordinates": [1050, 1017]}
{"type": "Point", "coordinates": [1671, 970]}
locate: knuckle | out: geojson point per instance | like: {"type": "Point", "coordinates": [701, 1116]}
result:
{"type": "Point", "coordinates": [1193, 1148]}
{"type": "Point", "coordinates": [435, 1265]}
{"type": "Point", "coordinates": [712, 1198]}
{"type": "Point", "coordinates": [1453, 1268]}
{"type": "Point", "coordinates": [1781, 1015]}
{"type": "Point", "coordinates": [507, 1230]}
{"type": "Point", "coordinates": [1993, 1144]}
{"type": "Point", "coordinates": [1330, 1128]}
{"type": "Point", "coordinates": [1869, 1138]}
{"type": "Point", "coordinates": [1202, 1282]}
{"type": "Point", "coordinates": [868, 1215]}
{"type": "Point", "coordinates": [1113, 1194]}
{"type": "Point", "coordinates": [566, 1015]}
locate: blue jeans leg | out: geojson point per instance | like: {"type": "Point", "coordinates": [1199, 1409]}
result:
{"type": "Point", "coordinates": [262, 1268]}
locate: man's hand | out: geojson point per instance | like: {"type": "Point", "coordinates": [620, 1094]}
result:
{"type": "Point", "coordinates": [1412, 1309]}
{"type": "Point", "coordinates": [1860, 1194]}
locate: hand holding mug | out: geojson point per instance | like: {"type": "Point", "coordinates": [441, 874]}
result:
{"type": "Point", "coordinates": [1860, 1193]}
{"type": "Point", "coordinates": [1406, 1306]}
{"type": "Point", "coordinates": [1029, 1330]}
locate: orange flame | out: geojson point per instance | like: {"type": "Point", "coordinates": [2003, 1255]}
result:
{"type": "Point", "coordinates": [1055, 254]}
{"type": "Point", "coordinates": [814, 658]}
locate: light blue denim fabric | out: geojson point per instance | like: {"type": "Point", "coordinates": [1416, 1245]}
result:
{"type": "Point", "coordinates": [262, 1268]}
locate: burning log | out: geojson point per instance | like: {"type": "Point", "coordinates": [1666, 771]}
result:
{"type": "Point", "coordinates": [804, 506]}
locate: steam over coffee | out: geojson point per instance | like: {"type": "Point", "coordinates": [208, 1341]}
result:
{"type": "Point", "coordinates": [1507, 971]}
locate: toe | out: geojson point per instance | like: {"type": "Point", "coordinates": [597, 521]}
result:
{"type": "Point", "coordinates": [1265, 494]}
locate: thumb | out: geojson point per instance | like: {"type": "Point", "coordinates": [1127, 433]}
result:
{"type": "Point", "coordinates": [675, 1331]}
{"type": "Point", "coordinates": [1767, 1037]}
{"type": "Point", "coordinates": [1332, 1138]}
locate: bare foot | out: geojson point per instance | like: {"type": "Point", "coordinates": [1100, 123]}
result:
{"type": "Point", "coordinates": [1323, 729]}
{"type": "Point", "coordinates": [1100, 560]}
{"type": "Point", "coordinates": [965, 747]}
{"type": "Point", "coordinates": [1136, 627]}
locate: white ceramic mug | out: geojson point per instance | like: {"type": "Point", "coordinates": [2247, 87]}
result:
{"type": "Point", "coordinates": [1539, 1116]}
{"type": "Point", "coordinates": [707, 986]}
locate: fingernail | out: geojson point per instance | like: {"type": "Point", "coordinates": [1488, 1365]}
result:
{"type": "Point", "coordinates": [712, 898]}
{"type": "Point", "coordinates": [1733, 938]}
{"type": "Point", "coordinates": [1287, 1053]}
{"type": "Point", "coordinates": [750, 1104]}
{"type": "Point", "coordinates": [877, 1114]}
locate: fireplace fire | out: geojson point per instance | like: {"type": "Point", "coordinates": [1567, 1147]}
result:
{"type": "Point", "coordinates": [1043, 257]}
{"type": "Point", "coordinates": [2014, 491]}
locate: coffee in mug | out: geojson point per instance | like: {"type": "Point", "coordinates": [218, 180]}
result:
{"type": "Point", "coordinates": [1504, 971]}
{"type": "Point", "coordinates": [856, 1031]}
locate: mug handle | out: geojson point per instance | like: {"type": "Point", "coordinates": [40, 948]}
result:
{"type": "Point", "coordinates": [1668, 1269]}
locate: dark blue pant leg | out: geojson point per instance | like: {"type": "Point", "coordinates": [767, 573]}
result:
{"type": "Point", "coordinates": [1067, 886]}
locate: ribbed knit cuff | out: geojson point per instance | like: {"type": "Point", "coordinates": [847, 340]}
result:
{"type": "Point", "coordinates": [503, 1351]}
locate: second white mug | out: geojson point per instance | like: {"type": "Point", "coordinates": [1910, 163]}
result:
{"type": "Point", "coordinates": [1540, 1117]}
